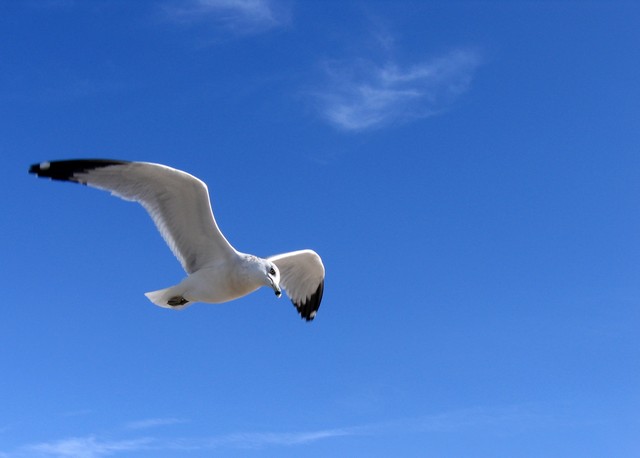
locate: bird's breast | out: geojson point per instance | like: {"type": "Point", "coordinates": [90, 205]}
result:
{"type": "Point", "coordinates": [216, 285]}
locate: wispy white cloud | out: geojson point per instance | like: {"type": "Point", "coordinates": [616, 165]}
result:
{"type": "Point", "coordinates": [489, 420]}
{"type": "Point", "coordinates": [260, 440]}
{"type": "Point", "coordinates": [77, 413]}
{"type": "Point", "coordinates": [242, 16]}
{"type": "Point", "coordinates": [94, 447]}
{"type": "Point", "coordinates": [499, 419]}
{"type": "Point", "coordinates": [83, 447]}
{"type": "Point", "coordinates": [49, 4]}
{"type": "Point", "coordinates": [362, 94]}
{"type": "Point", "coordinates": [154, 422]}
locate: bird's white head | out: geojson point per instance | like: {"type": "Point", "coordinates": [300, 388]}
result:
{"type": "Point", "coordinates": [272, 277]}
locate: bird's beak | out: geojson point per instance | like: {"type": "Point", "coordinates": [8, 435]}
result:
{"type": "Point", "coordinates": [276, 288]}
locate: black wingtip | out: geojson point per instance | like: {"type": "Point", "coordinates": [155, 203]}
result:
{"type": "Point", "coordinates": [309, 308]}
{"type": "Point", "coordinates": [65, 170]}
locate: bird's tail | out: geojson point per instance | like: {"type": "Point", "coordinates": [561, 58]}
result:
{"type": "Point", "coordinates": [169, 298]}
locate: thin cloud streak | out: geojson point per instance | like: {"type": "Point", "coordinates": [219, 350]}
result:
{"type": "Point", "coordinates": [490, 420]}
{"type": "Point", "coordinates": [241, 16]}
{"type": "Point", "coordinates": [260, 440]}
{"type": "Point", "coordinates": [154, 422]}
{"type": "Point", "coordinates": [363, 95]}
{"type": "Point", "coordinates": [83, 447]}
{"type": "Point", "coordinates": [93, 447]}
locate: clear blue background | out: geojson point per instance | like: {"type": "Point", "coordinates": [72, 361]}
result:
{"type": "Point", "coordinates": [467, 170]}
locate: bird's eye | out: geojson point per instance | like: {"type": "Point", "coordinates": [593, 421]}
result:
{"type": "Point", "coordinates": [272, 271]}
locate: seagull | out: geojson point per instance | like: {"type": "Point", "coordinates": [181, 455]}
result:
{"type": "Point", "coordinates": [179, 205]}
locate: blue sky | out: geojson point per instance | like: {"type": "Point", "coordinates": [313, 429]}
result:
{"type": "Point", "coordinates": [467, 170]}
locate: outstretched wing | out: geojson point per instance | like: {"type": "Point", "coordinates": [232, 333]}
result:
{"type": "Point", "coordinates": [177, 202]}
{"type": "Point", "coordinates": [302, 277]}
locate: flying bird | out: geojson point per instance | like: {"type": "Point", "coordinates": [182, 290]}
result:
{"type": "Point", "coordinates": [179, 205]}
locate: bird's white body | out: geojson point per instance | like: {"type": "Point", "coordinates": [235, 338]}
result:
{"type": "Point", "coordinates": [179, 205]}
{"type": "Point", "coordinates": [221, 282]}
